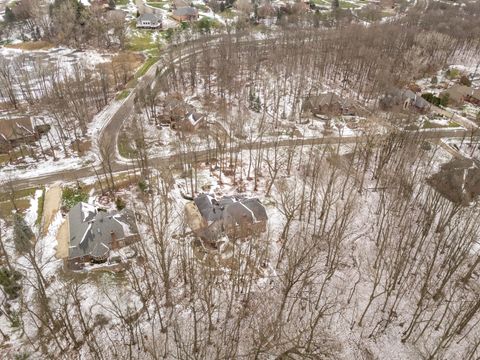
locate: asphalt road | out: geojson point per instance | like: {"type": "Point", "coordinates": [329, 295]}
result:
{"type": "Point", "coordinates": [112, 128]}
{"type": "Point", "coordinates": [201, 155]}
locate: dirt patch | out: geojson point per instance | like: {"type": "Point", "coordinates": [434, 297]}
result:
{"type": "Point", "coordinates": [53, 200]}
{"type": "Point", "coordinates": [63, 241]}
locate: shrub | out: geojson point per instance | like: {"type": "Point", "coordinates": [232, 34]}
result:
{"type": "Point", "coordinates": [453, 73]}
{"type": "Point", "coordinates": [142, 185]}
{"type": "Point", "coordinates": [464, 80]}
{"type": "Point", "coordinates": [9, 282]}
{"type": "Point", "coordinates": [22, 234]}
{"type": "Point", "coordinates": [120, 203]}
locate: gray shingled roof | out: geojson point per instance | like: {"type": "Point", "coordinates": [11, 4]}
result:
{"type": "Point", "coordinates": [230, 209]}
{"type": "Point", "coordinates": [185, 11]}
{"type": "Point", "coordinates": [91, 230]}
{"type": "Point", "coordinates": [149, 17]}
{"type": "Point", "coordinates": [14, 129]}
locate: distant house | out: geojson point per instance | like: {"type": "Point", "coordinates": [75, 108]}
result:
{"type": "Point", "coordinates": [186, 13]}
{"type": "Point", "coordinates": [94, 233]}
{"type": "Point", "coordinates": [398, 99]}
{"type": "Point", "coordinates": [14, 132]}
{"type": "Point", "coordinates": [327, 104]}
{"type": "Point", "coordinates": [149, 21]}
{"type": "Point", "coordinates": [233, 216]}
{"type": "Point", "coordinates": [458, 94]}
{"type": "Point", "coordinates": [192, 121]}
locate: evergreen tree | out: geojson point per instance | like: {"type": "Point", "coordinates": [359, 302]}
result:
{"type": "Point", "coordinates": [335, 4]}
{"type": "Point", "coordinates": [9, 15]}
{"type": "Point", "coordinates": [22, 234]}
{"type": "Point", "coordinates": [111, 4]}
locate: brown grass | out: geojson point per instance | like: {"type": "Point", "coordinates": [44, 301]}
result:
{"type": "Point", "coordinates": [31, 45]}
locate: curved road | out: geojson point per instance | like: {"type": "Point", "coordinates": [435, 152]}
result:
{"type": "Point", "coordinates": [109, 133]}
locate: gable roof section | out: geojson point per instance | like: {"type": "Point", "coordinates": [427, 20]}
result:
{"type": "Point", "coordinates": [92, 231]}
{"type": "Point", "coordinates": [149, 17]}
{"type": "Point", "coordinates": [185, 11]}
{"type": "Point", "coordinates": [230, 209]}
{"type": "Point", "coordinates": [15, 129]}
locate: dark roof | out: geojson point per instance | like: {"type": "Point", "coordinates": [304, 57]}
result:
{"type": "Point", "coordinates": [230, 209]}
{"type": "Point", "coordinates": [399, 96]}
{"type": "Point", "coordinates": [91, 230]}
{"type": "Point", "coordinates": [185, 11]}
{"type": "Point", "coordinates": [149, 17]}
{"type": "Point", "coordinates": [14, 129]}
{"type": "Point", "coordinates": [324, 99]}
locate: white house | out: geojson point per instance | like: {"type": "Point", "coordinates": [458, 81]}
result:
{"type": "Point", "coordinates": [150, 21]}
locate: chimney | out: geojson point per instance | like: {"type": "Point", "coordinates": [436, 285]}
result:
{"type": "Point", "coordinates": [114, 240]}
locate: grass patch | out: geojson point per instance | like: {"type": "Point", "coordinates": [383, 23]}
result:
{"type": "Point", "coordinates": [6, 208]}
{"type": "Point", "coordinates": [72, 196]}
{"type": "Point", "coordinates": [434, 125]}
{"type": "Point", "coordinates": [41, 203]}
{"type": "Point", "coordinates": [31, 45]}
{"type": "Point", "coordinates": [140, 41]}
{"type": "Point", "coordinates": [19, 194]}
{"type": "Point", "coordinates": [122, 2]}
{"type": "Point", "coordinates": [227, 13]}
{"type": "Point", "coordinates": [122, 95]}
{"type": "Point", "coordinates": [124, 147]}
{"type": "Point", "coordinates": [4, 158]}
{"type": "Point", "coordinates": [146, 65]}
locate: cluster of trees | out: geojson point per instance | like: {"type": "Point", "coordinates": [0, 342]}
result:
{"type": "Point", "coordinates": [67, 97]}
{"type": "Point", "coordinates": [68, 22]}
{"type": "Point", "coordinates": [365, 250]}
{"type": "Point", "coordinates": [361, 250]}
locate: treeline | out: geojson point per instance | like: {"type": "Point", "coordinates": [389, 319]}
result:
{"type": "Point", "coordinates": [68, 22]}
{"type": "Point", "coordinates": [66, 97]}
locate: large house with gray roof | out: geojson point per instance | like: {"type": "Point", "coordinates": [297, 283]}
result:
{"type": "Point", "coordinates": [234, 216]}
{"type": "Point", "coordinates": [149, 21]}
{"type": "Point", "coordinates": [93, 233]}
{"type": "Point", "coordinates": [401, 100]}
{"type": "Point", "coordinates": [186, 13]}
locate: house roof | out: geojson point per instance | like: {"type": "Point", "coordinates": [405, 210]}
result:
{"type": "Point", "coordinates": [398, 96]}
{"type": "Point", "coordinates": [149, 17]}
{"type": "Point", "coordinates": [91, 230]}
{"type": "Point", "coordinates": [14, 129]}
{"type": "Point", "coordinates": [194, 118]}
{"type": "Point", "coordinates": [232, 210]}
{"type": "Point", "coordinates": [185, 11]}
{"type": "Point", "coordinates": [325, 99]}
{"type": "Point", "coordinates": [458, 92]}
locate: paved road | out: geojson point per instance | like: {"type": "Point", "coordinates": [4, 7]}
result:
{"type": "Point", "coordinates": [201, 155]}
{"type": "Point", "coordinates": [111, 130]}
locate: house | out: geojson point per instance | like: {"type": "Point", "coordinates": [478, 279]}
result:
{"type": "Point", "coordinates": [234, 216]}
{"type": "Point", "coordinates": [14, 132]}
{"type": "Point", "coordinates": [93, 233]}
{"type": "Point", "coordinates": [327, 104]}
{"type": "Point", "coordinates": [191, 121]}
{"type": "Point", "coordinates": [180, 115]}
{"type": "Point", "coordinates": [186, 13]}
{"type": "Point", "coordinates": [398, 99]}
{"type": "Point", "coordinates": [458, 94]}
{"type": "Point", "coordinates": [174, 110]}
{"type": "Point", "coordinates": [149, 21]}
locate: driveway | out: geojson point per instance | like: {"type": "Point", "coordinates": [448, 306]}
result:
{"type": "Point", "coordinates": [53, 200]}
